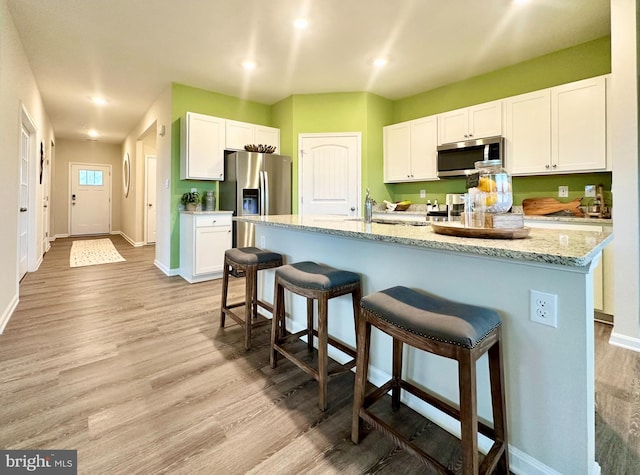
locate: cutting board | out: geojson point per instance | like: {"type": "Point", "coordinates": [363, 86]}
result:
{"type": "Point", "coordinates": [544, 206]}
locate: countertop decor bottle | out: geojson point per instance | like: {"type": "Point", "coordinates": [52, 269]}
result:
{"type": "Point", "coordinates": [209, 201]}
{"type": "Point", "coordinates": [492, 184]}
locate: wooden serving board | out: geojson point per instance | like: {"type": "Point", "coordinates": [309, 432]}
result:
{"type": "Point", "coordinates": [455, 229]}
{"type": "Point", "coordinates": [544, 206]}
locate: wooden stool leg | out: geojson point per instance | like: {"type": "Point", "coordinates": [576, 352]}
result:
{"type": "Point", "coordinates": [323, 358]}
{"type": "Point", "coordinates": [363, 336]}
{"type": "Point", "coordinates": [356, 295]}
{"type": "Point", "coordinates": [249, 304]}
{"type": "Point", "coordinates": [397, 374]}
{"type": "Point", "coordinates": [277, 321]}
{"type": "Point", "coordinates": [496, 374]}
{"type": "Point", "coordinates": [309, 324]}
{"type": "Point", "coordinates": [225, 289]}
{"type": "Point", "coordinates": [468, 412]}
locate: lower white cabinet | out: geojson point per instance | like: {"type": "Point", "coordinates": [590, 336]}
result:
{"type": "Point", "coordinates": [204, 237]}
{"type": "Point", "coordinates": [603, 273]}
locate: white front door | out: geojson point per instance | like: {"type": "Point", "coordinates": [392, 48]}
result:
{"type": "Point", "coordinates": [23, 221]}
{"type": "Point", "coordinates": [90, 199]}
{"type": "Point", "coordinates": [329, 178]}
{"type": "Point", "coordinates": [150, 208]}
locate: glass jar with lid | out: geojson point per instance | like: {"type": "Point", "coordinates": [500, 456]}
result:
{"type": "Point", "coordinates": [492, 183]}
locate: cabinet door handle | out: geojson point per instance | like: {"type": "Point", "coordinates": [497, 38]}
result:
{"type": "Point", "coordinates": [547, 166]}
{"type": "Point", "coordinates": [555, 165]}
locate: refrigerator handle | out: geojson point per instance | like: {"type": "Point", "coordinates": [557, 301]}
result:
{"type": "Point", "coordinates": [265, 192]}
{"type": "Point", "coordinates": [262, 197]}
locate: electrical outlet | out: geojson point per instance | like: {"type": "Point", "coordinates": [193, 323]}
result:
{"type": "Point", "coordinates": [590, 190]}
{"type": "Point", "coordinates": [423, 194]}
{"type": "Point", "coordinates": [543, 308]}
{"type": "Point", "coordinates": [563, 191]}
{"type": "Point", "coordinates": [263, 242]}
{"type": "Point", "coordinates": [194, 190]}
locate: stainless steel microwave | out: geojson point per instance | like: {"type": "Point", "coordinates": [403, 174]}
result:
{"type": "Point", "coordinates": [455, 159]}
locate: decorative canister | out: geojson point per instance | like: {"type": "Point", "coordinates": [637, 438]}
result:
{"type": "Point", "coordinates": [209, 201]}
{"type": "Point", "coordinates": [491, 184]}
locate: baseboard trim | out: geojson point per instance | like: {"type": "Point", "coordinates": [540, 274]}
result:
{"type": "Point", "coordinates": [624, 341]}
{"type": "Point", "coordinates": [8, 312]}
{"type": "Point", "coordinates": [165, 270]}
{"type": "Point", "coordinates": [128, 239]}
{"type": "Point", "coordinates": [60, 236]}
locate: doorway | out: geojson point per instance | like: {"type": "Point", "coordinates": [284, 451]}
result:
{"type": "Point", "coordinates": [150, 199]}
{"type": "Point", "coordinates": [329, 176]}
{"type": "Point", "coordinates": [90, 203]}
{"type": "Point", "coordinates": [27, 151]}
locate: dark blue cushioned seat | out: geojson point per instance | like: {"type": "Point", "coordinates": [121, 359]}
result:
{"type": "Point", "coordinates": [251, 255]}
{"type": "Point", "coordinates": [312, 275]}
{"type": "Point", "coordinates": [432, 317]}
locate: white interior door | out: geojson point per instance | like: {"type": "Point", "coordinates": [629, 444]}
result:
{"type": "Point", "coordinates": [329, 179]}
{"type": "Point", "coordinates": [150, 208]}
{"type": "Point", "coordinates": [23, 224]}
{"type": "Point", "coordinates": [90, 199]}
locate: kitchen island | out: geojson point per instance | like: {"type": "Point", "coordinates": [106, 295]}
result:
{"type": "Point", "coordinates": [549, 371]}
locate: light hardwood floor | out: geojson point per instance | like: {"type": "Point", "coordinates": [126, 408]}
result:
{"type": "Point", "coordinates": [130, 367]}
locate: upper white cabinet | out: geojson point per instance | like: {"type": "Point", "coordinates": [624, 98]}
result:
{"type": "Point", "coordinates": [557, 130]}
{"type": "Point", "coordinates": [528, 132]}
{"type": "Point", "coordinates": [202, 147]}
{"type": "Point", "coordinates": [475, 122]}
{"type": "Point", "coordinates": [410, 150]}
{"type": "Point", "coordinates": [579, 126]}
{"type": "Point", "coordinates": [239, 134]}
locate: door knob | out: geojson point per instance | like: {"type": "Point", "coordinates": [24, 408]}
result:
{"type": "Point", "coordinates": [150, 205]}
{"type": "Point", "coordinates": [23, 210]}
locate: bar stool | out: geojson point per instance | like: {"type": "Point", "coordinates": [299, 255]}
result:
{"type": "Point", "coordinates": [250, 260]}
{"type": "Point", "coordinates": [315, 282]}
{"type": "Point", "coordinates": [442, 327]}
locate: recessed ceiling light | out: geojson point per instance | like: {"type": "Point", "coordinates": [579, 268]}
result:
{"type": "Point", "coordinates": [520, 1]}
{"type": "Point", "coordinates": [249, 65]}
{"type": "Point", "coordinates": [300, 23]}
{"type": "Point", "coordinates": [93, 133]}
{"type": "Point", "coordinates": [100, 101]}
{"type": "Point", "coordinates": [379, 62]}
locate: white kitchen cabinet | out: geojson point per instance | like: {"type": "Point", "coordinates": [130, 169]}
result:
{"type": "Point", "coordinates": [561, 129]}
{"type": "Point", "coordinates": [603, 273]}
{"type": "Point", "coordinates": [528, 132]}
{"type": "Point", "coordinates": [410, 150]}
{"type": "Point", "coordinates": [579, 126]}
{"type": "Point", "coordinates": [239, 134]}
{"type": "Point", "coordinates": [475, 122]}
{"type": "Point", "coordinates": [204, 237]}
{"type": "Point", "coordinates": [201, 147]}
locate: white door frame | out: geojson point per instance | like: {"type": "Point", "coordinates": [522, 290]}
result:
{"type": "Point", "coordinates": [31, 241]}
{"type": "Point", "coordinates": [357, 135]}
{"type": "Point", "coordinates": [146, 195]}
{"type": "Point", "coordinates": [69, 191]}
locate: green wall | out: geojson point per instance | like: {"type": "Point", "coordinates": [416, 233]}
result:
{"type": "Point", "coordinates": [567, 65]}
{"type": "Point", "coordinates": [335, 112]}
{"type": "Point", "coordinates": [367, 113]}
{"type": "Point", "coordinates": [190, 99]}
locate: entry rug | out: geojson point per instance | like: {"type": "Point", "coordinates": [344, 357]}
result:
{"type": "Point", "coordinates": [91, 252]}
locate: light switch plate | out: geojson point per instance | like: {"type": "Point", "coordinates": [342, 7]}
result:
{"type": "Point", "coordinates": [563, 191]}
{"type": "Point", "coordinates": [423, 194]}
{"type": "Point", "coordinates": [590, 190]}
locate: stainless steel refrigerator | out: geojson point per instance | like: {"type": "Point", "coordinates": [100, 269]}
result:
{"type": "Point", "coordinates": [254, 184]}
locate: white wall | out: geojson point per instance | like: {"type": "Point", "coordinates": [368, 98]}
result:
{"type": "Point", "coordinates": [137, 143]}
{"type": "Point", "coordinates": [624, 69]}
{"type": "Point", "coordinates": [17, 89]}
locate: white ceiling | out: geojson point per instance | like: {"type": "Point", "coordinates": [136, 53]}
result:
{"type": "Point", "coordinates": [129, 51]}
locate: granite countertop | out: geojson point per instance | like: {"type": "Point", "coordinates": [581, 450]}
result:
{"type": "Point", "coordinates": [205, 212]}
{"type": "Point", "coordinates": [550, 246]}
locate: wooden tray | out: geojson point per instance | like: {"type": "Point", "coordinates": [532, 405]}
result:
{"type": "Point", "coordinates": [451, 229]}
